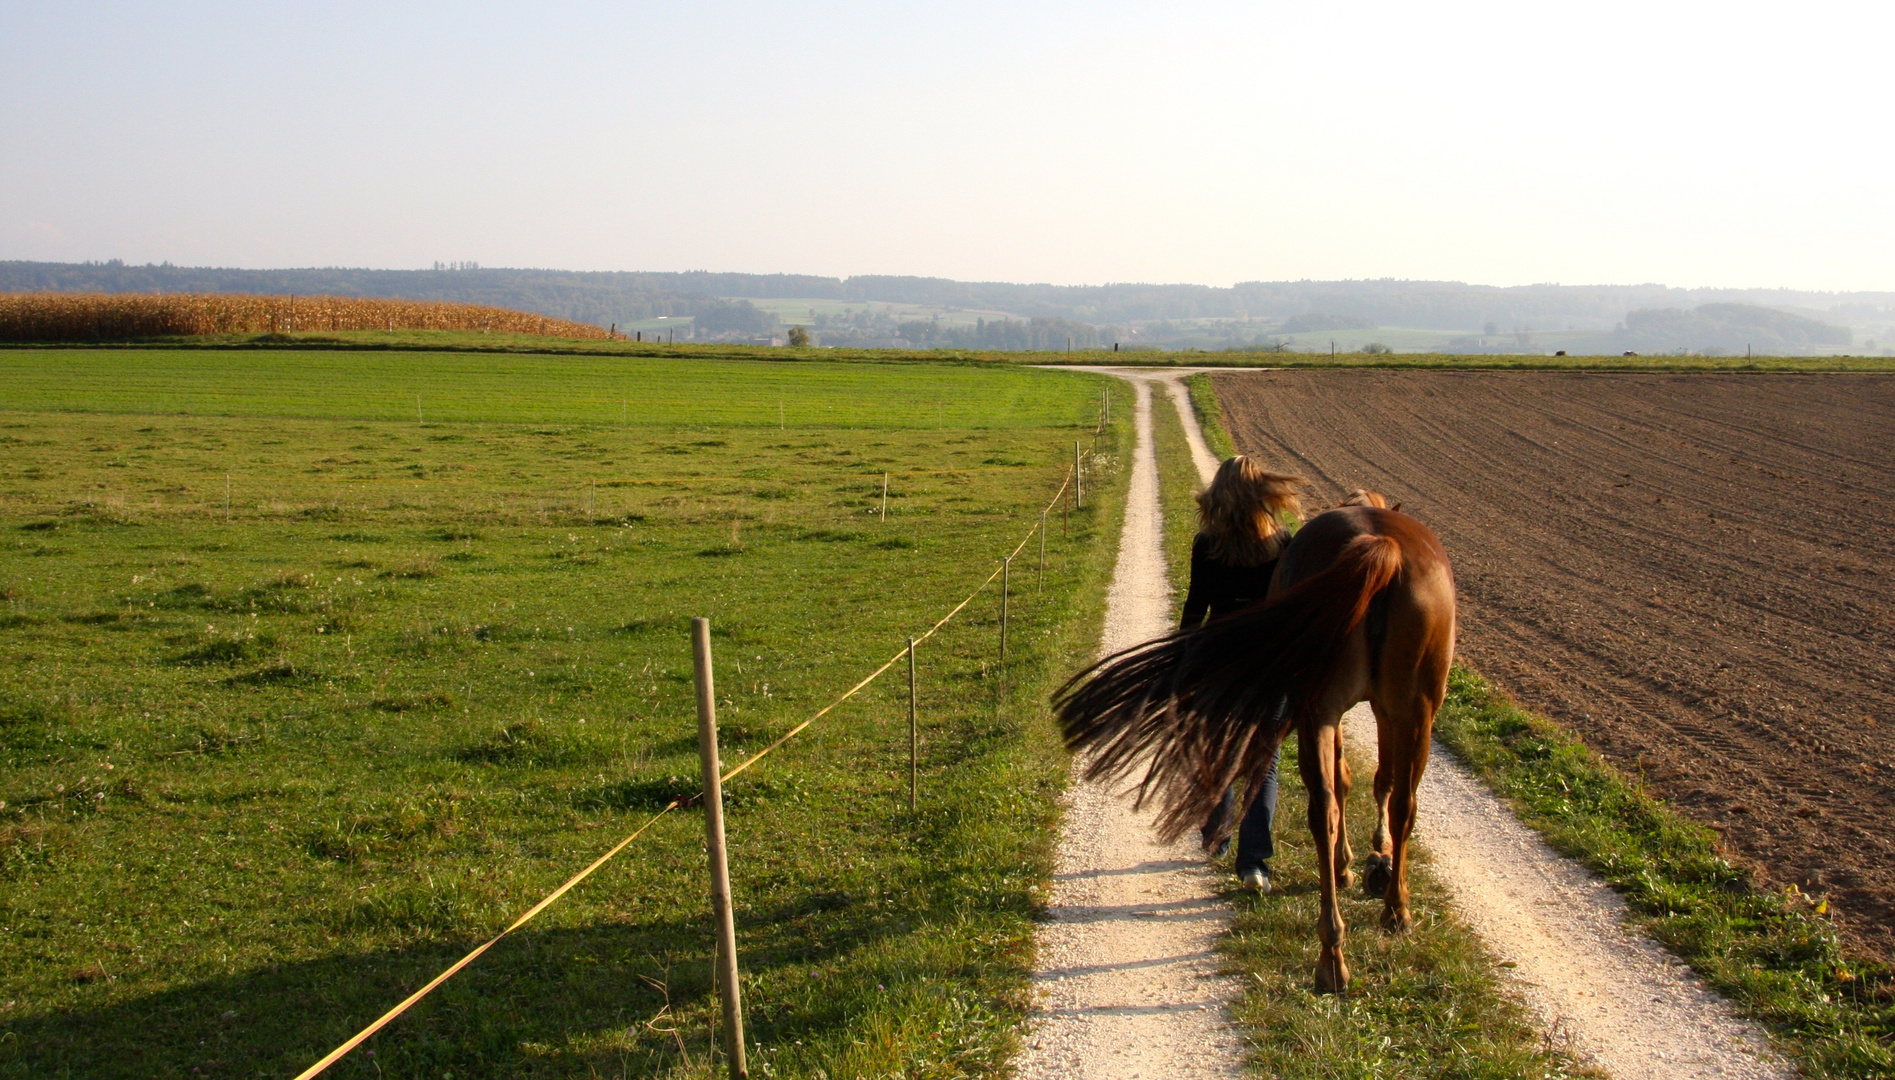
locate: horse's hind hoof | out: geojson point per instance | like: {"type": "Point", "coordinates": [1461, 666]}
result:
{"type": "Point", "coordinates": [1332, 975]}
{"type": "Point", "coordinates": [1396, 920]}
{"type": "Point", "coordinates": [1376, 874]}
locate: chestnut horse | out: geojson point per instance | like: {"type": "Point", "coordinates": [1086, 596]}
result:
{"type": "Point", "coordinates": [1361, 608]}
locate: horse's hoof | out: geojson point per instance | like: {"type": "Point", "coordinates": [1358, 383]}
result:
{"type": "Point", "coordinates": [1396, 920]}
{"type": "Point", "coordinates": [1332, 975]}
{"type": "Point", "coordinates": [1376, 875]}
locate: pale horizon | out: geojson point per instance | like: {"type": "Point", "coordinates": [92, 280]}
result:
{"type": "Point", "coordinates": [1616, 144]}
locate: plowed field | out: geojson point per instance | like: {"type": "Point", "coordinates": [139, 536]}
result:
{"type": "Point", "coordinates": [1695, 573]}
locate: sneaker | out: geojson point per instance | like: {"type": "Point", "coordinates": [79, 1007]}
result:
{"type": "Point", "coordinates": [1214, 852]}
{"type": "Point", "coordinates": [1256, 880]}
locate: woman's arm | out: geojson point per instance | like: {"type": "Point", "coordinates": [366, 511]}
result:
{"type": "Point", "coordinates": [1197, 598]}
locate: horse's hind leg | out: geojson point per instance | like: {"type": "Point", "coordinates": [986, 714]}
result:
{"type": "Point", "coordinates": [1317, 744]}
{"type": "Point", "coordinates": [1345, 855]}
{"type": "Point", "coordinates": [1404, 744]}
{"type": "Point", "coordinates": [1376, 869]}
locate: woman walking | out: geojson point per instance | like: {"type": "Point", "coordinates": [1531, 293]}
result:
{"type": "Point", "coordinates": [1244, 522]}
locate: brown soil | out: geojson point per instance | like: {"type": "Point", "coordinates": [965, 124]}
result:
{"type": "Point", "coordinates": [1695, 573]}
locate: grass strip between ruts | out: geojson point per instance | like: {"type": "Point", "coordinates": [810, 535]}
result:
{"type": "Point", "coordinates": [1210, 417]}
{"type": "Point", "coordinates": [1427, 1003]}
{"type": "Point", "coordinates": [1774, 954]}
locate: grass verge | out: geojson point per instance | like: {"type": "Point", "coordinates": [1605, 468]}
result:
{"type": "Point", "coordinates": [275, 758]}
{"type": "Point", "coordinates": [1772, 953]}
{"type": "Point", "coordinates": [1424, 1004]}
{"type": "Point", "coordinates": [1210, 417]}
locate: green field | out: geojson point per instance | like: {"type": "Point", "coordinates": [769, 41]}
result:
{"type": "Point", "coordinates": [274, 761]}
{"type": "Point", "coordinates": [639, 391]}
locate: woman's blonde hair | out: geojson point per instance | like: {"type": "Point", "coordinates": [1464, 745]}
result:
{"type": "Point", "coordinates": [1244, 510]}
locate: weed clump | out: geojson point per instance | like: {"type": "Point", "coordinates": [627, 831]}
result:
{"type": "Point", "coordinates": [235, 649]}
{"type": "Point", "coordinates": [402, 703]}
{"type": "Point", "coordinates": [276, 674]}
{"type": "Point", "coordinates": [526, 742]}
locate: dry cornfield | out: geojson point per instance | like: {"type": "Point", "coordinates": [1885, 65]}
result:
{"type": "Point", "coordinates": [49, 316]}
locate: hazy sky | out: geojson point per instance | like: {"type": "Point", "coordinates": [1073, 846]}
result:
{"type": "Point", "coordinates": [1599, 142]}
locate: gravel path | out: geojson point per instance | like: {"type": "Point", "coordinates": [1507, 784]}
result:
{"type": "Point", "coordinates": [1128, 982]}
{"type": "Point", "coordinates": [1128, 977]}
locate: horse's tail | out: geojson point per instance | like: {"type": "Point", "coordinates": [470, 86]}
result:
{"type": "Point", "coordinates": [1201, 707]}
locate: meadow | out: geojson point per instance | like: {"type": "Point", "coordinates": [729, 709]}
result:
{"type": "Point", "coordinates": [302, 696]}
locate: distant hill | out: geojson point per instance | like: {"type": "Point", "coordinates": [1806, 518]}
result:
{"type": "Point", "coordinates": [1730, 327]}
{"type": "Point", "coordinates": [1167, 315]}
{"type": "Point", "coordinates": [1314, 322]}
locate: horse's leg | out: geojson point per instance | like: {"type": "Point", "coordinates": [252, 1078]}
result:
{"type": "Point", "coordinates": [1317, 761]}
{"type": "Point", "coordinates": [1406, 746]}
{"type": "Point", "coordinates": [1408, 690]}
{"type": "Point", "coordinates": [1377, 869]}
{"type": "Point", "coordinates": [1345, 855]}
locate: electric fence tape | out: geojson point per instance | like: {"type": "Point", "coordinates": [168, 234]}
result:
{"type": "Point", "coordinates": [388, 1017]}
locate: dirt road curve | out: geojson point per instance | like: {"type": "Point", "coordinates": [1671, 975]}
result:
{"type": "Point", "coordinates": [1694, 572]}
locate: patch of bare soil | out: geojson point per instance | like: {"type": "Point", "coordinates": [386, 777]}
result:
{"type": "Point", "coordinates": [1695, 573]}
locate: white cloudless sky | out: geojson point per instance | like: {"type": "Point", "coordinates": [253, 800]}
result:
{"type": "Point", "coordinates": [1725, 144]}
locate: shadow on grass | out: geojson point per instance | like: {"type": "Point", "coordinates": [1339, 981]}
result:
{"type": "Point", "coordinates": [569, 1001]}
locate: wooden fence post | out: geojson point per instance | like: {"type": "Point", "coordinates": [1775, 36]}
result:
{"type": "Point", "coordinates": [1079, 481]}
{"type": "Point", "coordinates": [714, 844]}
{"type": "Point", "coordinates": [914, 736]}
{"type": "Point", "coordinates": [1006, 570]}
{"type": "Point", "coordinates": [884, 498]}
{"type": "Point", "coordinates": [1040, 583]}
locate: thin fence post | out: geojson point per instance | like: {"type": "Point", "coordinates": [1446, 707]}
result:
{"type": "Point", "coordinates": [1006, 570]}
{"type": "Point", "coordinates": [1079, 480]}
{"type": "Point", "coordinates": [1040, 583]}
{"type": "Point", "coordinates": [914, 736]}
{"type": "Point", "coordinates": [1066, 516]}
{"type": "Point", "coordinates": [714, 843]}
{"type": "Point", "coordinates": [884, 498]}
{"type": "Point", "coordinates": [226, 496]}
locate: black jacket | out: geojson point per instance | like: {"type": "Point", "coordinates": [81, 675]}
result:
{"type": "Point", "coordinates": [1218, 588]}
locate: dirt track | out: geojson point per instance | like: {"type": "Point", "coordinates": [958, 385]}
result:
{"type": "Point", "coordinates": [1127, 973]}
{"type": "Point", "coordinates": [1693, 572]}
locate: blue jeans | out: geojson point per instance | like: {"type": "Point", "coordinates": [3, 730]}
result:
{"type": "Point", "coordinates": [1256, 842]}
